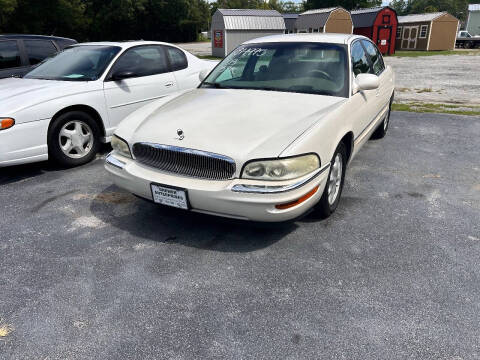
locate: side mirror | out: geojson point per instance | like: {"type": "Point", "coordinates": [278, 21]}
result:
{"type": "Point", "coordinates": [366, 82]}
{"type": "Point", "coordinates": [203, 74]}
{"type": "Point", "coordinates": [120, 75]}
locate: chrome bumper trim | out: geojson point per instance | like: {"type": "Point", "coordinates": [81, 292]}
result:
{"type": "Point", "coordinates": [112, 160]}
{"type": "Point", "coordinates": [265, 189]}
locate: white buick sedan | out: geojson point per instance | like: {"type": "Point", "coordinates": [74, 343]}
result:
{"type": "Point", "coordinates": [64, 108]}
{"type": "Point", "coordinates": [266, 136]}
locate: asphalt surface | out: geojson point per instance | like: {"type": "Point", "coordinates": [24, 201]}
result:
{"type": "Point", "coordinates": [91, 272]}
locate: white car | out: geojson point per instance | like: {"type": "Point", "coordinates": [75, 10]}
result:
{"type": "Point", "coordinates": [70, 103]}
{"type": "Point", "coordinates": [266, 136]}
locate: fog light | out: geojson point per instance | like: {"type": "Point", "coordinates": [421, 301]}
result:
{"type": "Point", "coordinates": [6, 123]}
{"type": "Point", "coordinates": [298, 201]}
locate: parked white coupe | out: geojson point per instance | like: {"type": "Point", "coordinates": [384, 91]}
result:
{"type": "Point", "coordinates": [266, 136]}
{"type": "Point", "coordinates": [67, 105]}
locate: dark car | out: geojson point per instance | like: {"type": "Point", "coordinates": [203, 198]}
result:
{"type": "Point", "coordinates": [19, 53]}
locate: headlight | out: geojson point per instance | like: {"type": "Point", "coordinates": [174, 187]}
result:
{"type": "Point", "coordinates": [120, 146]}
{"type": "Point", "coordinates": [281, 169]}
{"type": "Point", "coordinates": [6, 123]}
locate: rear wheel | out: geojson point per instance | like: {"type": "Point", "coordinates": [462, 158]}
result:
{"type": "Point", "coordinates": [73, 139]}
{"type": "Point", "coordinates": [382, 129]}
{"type": "Point", "coordinates": [336, 177]}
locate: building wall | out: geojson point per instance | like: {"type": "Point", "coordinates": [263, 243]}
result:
{"type": "Point", "coordinates": [444, 33]}
{"type": "Point", "coordinates": [421, 43]}
{"type": "Point", "coordinates": [218, 25]}
{"type": "Point", "coordinates": [473, 24]}
{"type": "Point", "coordinates": [339, 21]}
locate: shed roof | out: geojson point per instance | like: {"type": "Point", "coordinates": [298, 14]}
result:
{"type": "Point", "coordinates": [474, 7]}
{"type": "Point", "coordinates": [420, 17]}
{"type": "Point", "coordinates": [314, 18]}
{"type": "Point", "coordinates": [290, 16]}
{"type": "Point", "coordinates": [365, 17]}
{"type": "Point", "coordinates": [251, 19]}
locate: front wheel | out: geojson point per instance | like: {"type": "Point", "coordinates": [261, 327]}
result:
{"type": "Point", "coordinates": [336, 177]}
{"type": "Point", "coordinates": [73, 139]}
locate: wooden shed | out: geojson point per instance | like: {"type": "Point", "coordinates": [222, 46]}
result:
{"type": "Point", "coordinates": [431, 31]}
{"type": "Point", "coordinates": [232, 27]}
{"type": "Point", "coordinates": [379, 24]}
{"type": "Point", "coordinates": [331, 20]}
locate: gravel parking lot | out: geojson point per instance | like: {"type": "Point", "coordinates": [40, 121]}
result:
{"type": "Point", "coordinates": [91, 272]}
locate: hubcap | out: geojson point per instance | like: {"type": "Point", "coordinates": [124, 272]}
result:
{"type": "Point", "coordinates": [335, 179]}
{"type": "Point", "coordinates": [76, 139]}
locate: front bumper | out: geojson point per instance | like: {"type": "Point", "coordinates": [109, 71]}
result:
{"type": "Point", "coordinates": [236, 198]}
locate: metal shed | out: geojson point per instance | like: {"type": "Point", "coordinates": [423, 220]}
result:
{"type": "Point", "coordinates": [290, 21]}
{"type": "Point", "coordinates": [232, 27]}
{"type": "Point", "coordinates": [330, 20]}
{"type": "Point", "coordinates": [473, 20]}
{"type": "Point", "coordinates": [431, 31]}
{"type": "Point", "coordinates": [379, 24]}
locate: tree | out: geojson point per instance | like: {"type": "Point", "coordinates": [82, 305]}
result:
{"type": "Point", "coordinates": [347, 4]}
{"type": "Point", "coordinates": [6, 8]}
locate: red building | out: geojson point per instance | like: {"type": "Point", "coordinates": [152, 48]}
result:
{"type": "Point", "coordinates": [379, 24]}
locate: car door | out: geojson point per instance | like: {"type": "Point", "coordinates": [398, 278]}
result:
{"type": "Point", "coordinates": [185, 75]}
{"type": "Point", "coordinates": [378, 68]}
{"type": "Point", "coordinates": [12, 63]}
{"type": "Point", "coordinates": [150, 79]}
{"type": "Point", "coordinates": [363, 101]}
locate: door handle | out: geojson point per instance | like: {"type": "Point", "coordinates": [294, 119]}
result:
{"type": "Point", "coordinates": [169, 84]}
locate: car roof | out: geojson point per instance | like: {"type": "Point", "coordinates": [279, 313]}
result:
{"type": "Point", "coordinates": [37, 37]}
{"type": "Point", "coordinates": [308, 37]}
{"type": "Point", "coordinates": [124, 44]}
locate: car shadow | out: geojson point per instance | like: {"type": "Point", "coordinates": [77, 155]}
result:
{"type": "Point", "coordinates": [146, 220]}
{"type": "Point", "coordinates": [17, 173]}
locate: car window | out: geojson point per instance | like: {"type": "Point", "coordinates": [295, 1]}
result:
{"type": "Point", "coordinates": [143, 61]}
{"type": "Point", "coordinates": [9, 55]}
{"type": "Point", "coordinates": [311, 68]}
{"type": "Point", "coordinates": [39, 50]}
{"type": "Point", "coordinates": [178, 60]}
{"type": "Point", "coordinates": [360, 63]}
{"type": "Point", "coordinates": [375, 57]}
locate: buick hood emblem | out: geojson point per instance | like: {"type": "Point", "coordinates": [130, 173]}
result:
{"type": "Point", "coordinates": [180, 134]}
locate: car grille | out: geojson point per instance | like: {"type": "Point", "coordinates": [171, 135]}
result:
{"type": "Point", "coordinates": [186, 162]}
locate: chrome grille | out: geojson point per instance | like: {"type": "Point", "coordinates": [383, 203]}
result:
{"type": "Point", "coordinates": [186, 162]}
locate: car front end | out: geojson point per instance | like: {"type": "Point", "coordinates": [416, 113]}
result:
{"type": "Point", "coordinates": [261, 190]}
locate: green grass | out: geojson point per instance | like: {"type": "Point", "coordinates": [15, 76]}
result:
{"type": "Point", "coordinates": [401, 53]}
{"type": "Point", "coordinates": [209, 57]}
{"type": "Point", "coordinates": [438, 108]}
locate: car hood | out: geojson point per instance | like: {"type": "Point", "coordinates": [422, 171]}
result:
{"type": "Point", "coordinates": [18, 94]}
{"type": "Point", "coordinates": [241, 124]}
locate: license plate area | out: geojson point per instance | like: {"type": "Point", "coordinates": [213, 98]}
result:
{"type": "Point", "coordinates": [170, 196]}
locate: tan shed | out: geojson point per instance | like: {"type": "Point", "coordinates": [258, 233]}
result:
{"type": "Point", "coordinates": [432, 31]}
{"type": "Point", "coordinates": [331, 20]}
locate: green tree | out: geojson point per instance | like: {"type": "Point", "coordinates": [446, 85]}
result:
{"type": "Point", "coordinates": [347, 4]}
{"type": "Point", "coordinates": [7, 7]}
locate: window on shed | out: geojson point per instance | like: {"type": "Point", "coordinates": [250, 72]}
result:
{"type": "Point", "coordinates": [39, 50]}
{"type": "Point", "coordinates": [399, 32]}
{"type": "Point", "coordinates": [423, 31]}
{"type": "Point", "coordinates": [9, 55]}
{"type": "Point", "coordinates": [386, 19]}
{"type": "Point", "coordinates": [177, 58]}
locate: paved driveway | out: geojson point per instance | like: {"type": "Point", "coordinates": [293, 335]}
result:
{"type": "Point", "coordinates": [90, 272]}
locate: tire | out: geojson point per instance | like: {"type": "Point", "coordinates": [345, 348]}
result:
{"type": "Point", "coordinates": [69, 134]}
{"type": "Point", "coordinates": [333, 190]}
{"type": "Point", "coordinates": [469, 45]}
{"type": "Point", "coordinates": [382, 128]}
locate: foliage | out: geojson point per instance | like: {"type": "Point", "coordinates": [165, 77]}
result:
{"type": "Point", "coordinates": [347, 4]}
{"type": "Point", "coordinates": [457, 8]}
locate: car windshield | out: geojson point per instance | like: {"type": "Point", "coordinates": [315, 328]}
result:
{"type": "Point", "coordinates": [311, 68]}
{"type": "Point", "coordinates": [78, 63]}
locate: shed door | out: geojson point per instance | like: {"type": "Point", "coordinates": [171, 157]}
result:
{"type": "Point", "coordinates": [409, 37]}
{"type": "Point", "coordinates": [383, 39]}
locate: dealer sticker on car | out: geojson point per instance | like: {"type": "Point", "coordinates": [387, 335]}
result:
{"type": "Point", "coordinates": [169, 196]}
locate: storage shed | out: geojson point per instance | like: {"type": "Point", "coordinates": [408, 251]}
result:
{"type": "Point", "coordinates": [232, 27]}
{"type": "Point", "coordinates": [473, 20]}
{"type": "Point", "coordinates": [290, 21]}
{"type": "Point", "coordinates": [379, 24]}
{"type": "Point", "coordinates": [330, 20]}
{"type": "Point", "coordinates": [431, 31]}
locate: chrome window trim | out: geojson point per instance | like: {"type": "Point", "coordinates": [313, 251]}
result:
{"type": "Point", "coordinates": [259, 189]}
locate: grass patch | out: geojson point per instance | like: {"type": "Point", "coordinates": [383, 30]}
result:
{"type": "Point", "coordinates": [402, 53]}
{"type": "Point", "coordinates": [438, 108]}
{"type": "Point", "coordinates": [424, 90]}
{"type": "Point", "coordinates": [209, 57]}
